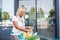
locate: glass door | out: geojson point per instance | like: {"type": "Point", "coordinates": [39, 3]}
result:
{"type": "Point", "coordinates": [46, 18]}
{"type": "Point", "coordinates": [41, 15]}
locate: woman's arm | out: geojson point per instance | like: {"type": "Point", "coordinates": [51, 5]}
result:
{"type": "Point", "coordinates": [20, 28]}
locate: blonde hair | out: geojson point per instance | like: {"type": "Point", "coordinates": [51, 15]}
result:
{"type": "Point", "coordinates": [20, 9]}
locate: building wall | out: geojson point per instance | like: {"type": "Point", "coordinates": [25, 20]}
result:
{"type": "Point", "coordinates": [57, 19]}
{"type": "Point", "coordinates": [16, 5]}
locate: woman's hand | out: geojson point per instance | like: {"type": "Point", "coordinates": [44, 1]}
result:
{"type": "Point", "coordinates": [29, 30]}
{"type": "Point", "coordinates": [28, 27]}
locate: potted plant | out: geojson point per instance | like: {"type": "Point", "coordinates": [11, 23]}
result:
{"type": "Point", "coordinates": [34, 37]}
{"type": "Point", "coordinates": [5, 17]}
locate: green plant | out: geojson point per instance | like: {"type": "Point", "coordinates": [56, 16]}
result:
{"type": "Point", "coordinates": [5, 16]}
{"type": "Point", "coordinates": [41, 12]}
{"type": "Point", "coordinates": [32, 10]}
{"type": "Point", "coordinates": [35, 37]}
{"type": "Point", "coordinates": [52, 12]}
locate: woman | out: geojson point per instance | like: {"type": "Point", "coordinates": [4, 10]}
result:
{"type": "Point", "coordinates": [19, 24]}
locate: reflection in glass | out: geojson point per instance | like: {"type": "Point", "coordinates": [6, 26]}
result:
{"type": "Point", "coordinates": [45, 16]}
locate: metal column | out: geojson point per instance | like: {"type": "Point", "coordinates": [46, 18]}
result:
{"type": "Point", "coordinates": [36, 13]}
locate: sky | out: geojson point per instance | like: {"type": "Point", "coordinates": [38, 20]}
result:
{"type": "Point", "coordinates": [8, 6]}
{"type": "Point", "coordinates": [46, 5]}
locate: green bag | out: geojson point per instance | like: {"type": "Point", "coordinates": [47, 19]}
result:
{"type": "Point", "coordinates": [21, 36]}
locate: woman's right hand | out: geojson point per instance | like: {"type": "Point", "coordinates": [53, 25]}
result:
{"type": "Point", "coordinates": [29, 30]}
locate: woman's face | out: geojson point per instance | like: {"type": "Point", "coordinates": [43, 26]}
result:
{"type": "Point", "coordinates": [22, 12]}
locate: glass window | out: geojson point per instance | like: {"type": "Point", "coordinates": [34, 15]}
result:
{"type": "Point", "coordinates": [46, 17]}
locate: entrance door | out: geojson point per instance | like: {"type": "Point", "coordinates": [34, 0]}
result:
{"type": "Point", "coordinates": [41, 15]}
{"type": "Point", "coordinates": [46, 18]}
